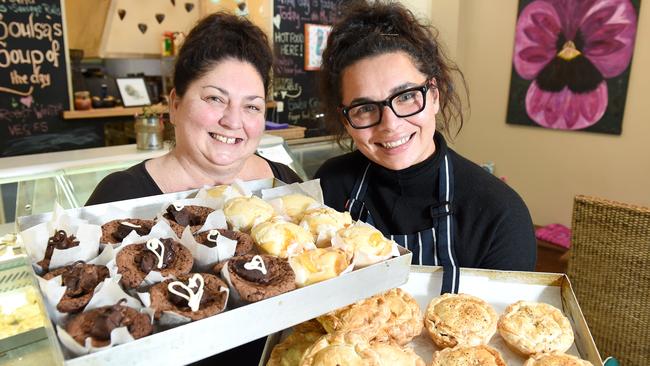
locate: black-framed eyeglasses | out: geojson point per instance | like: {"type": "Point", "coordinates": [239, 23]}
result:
{"type": "Point", "coordinates": [404, 104]}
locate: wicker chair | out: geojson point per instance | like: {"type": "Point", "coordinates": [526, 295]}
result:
{"type": "Point", "coordinates": [609, 268]}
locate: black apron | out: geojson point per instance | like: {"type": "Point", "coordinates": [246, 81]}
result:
{"type": "Point", "coordinates": [433, 246]}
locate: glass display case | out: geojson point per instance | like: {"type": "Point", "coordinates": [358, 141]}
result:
{"type": "Point", "coordinates": [311, 153]}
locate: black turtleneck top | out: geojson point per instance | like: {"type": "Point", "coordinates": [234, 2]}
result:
{"type": "Point", "coordinates": [493, 226]}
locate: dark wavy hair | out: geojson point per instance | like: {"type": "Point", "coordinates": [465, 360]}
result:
{"type": "Point", "coordinates": [217, 37]}
{"type": "Point", "coordinates": [382, 27]}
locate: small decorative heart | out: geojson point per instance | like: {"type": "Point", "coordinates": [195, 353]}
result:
{"type": "Point", "coordinates": [142, 27]}
{"type": "Point", "coordinates": [189, 7]}
{"type": "Point", "coordinates": [213, 235]}
{"type": "Point", "coordinates": [193, 298]}
{"type": "Point", "coordinates": [160, 17]}
{"type": "Point", "coordinates": [157, 247]}
{"type": "Point", "coordinates": [27, 101]}
{"type": "Point", "coordinates": [121, 13]}
{"type": "Point", "coordinates": [276, 21]}
{"type": "Point", "coordinates": [177, 206]}
{"type": "Point", "coordinates": [256, 263]}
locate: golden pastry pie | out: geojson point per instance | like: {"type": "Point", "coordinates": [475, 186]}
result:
{"type": "Point", "coordinates": [392, 354]}
{"type": "Point", "coordinates": [534, 327]}
{"type": "Point", "coordinates": [309, 326]}
{"type": "Point", "coordinates": [318, 265]}
{"type": "Point", "coordinates": [405, 322]}
{"type": "Point", "coordinates": [366, 317]}
{"type": "Point", "coordinates": [281, 238]}
{"type": "Point", "coordinates": [290, 351]}
{"type": "Point", "coordinates": [341, 348]}
{"type": "Point", "coordinates": [555, 359]}
{"type": "Point", "coordinates": [294, 205]}
{"type": "Point", "coordinates": [324, 222]}
{"type": "Point", "coordinates": [481, 355]}
{"type": "Point", "coordinates": [460, 319]}
{"type": "Point", "coordinates": [242, 213]}
{"type": "Point", "coordinates": [364, 243]}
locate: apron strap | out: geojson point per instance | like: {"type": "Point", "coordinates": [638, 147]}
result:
{"type": "Point", "coordinates": [355, 204]}
{"type": "Point", "coordinates": [445, 234]}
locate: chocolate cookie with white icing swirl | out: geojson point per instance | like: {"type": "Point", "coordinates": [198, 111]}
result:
{"type": "Point", "coordinates": [195, 296]}
{"type": "Point", "coordinates": [258, 277]}
{"type": "Point", "coordinates": [166, 256]}
{"type": "Point", "coordinates": [179, 217]}
{"type": "Point", "coordinates": [80, 280]}
{"type": "Point", "coordinates": [113, 232]}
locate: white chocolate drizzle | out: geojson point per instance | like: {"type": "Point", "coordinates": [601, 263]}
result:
{"type": "Point", "coordinates": [177, 206]}
{"type": "Point", "coordinates": [153, 245]}
{"type": "Point", "coordinates": [256, 263]}
{"type": "Point", "coordinates": [126, 223]}
{"type": "Point", "coordinates": [213, 235]}
{"type": "Point", "coordinates": [193, 298]}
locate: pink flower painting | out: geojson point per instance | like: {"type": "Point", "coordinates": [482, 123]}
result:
{"type": "Point", "coordinates": [572, 57]}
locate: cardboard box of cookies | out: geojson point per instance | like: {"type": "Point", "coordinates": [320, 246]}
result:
{"type": "Point", "coordinates": [140, 279]}
{"type": "Point", "coordinates": [498, 318]}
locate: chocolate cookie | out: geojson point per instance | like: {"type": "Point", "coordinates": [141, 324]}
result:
{"type": "Point", "coordinates": [60, 240]}
{"type": "Point", "coordinates": [254, 284]}
{"type": "Point", "coordinates": [212, 301]}
{"type": "Point", "coordinates": [98, 324]}
{"type": "Point", "coordinates": [135, 261]}
{"type": "Point", "coordinates": [80, 280]}
{"type": "Point", "coordinates": [192, 216]}
{"type": "Point", "coordinates": [245, 243]}
{"type": "Point", "coordinates": [113, 232]}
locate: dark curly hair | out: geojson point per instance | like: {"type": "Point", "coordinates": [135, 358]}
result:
{"type": "Point", "coordinates": [217, 37]}
{"type": "Point", "coordinates": [381, 27]}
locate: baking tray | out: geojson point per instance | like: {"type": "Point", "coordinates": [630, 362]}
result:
{"type": "Point", "coordinates": [198, 340]}
{"type": "Point", "coordinates": [499, 288]}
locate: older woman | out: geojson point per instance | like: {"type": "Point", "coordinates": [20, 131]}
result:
{"type": "Point", "coordinates": [386, 84]}
{"type": "Point", "coordinates": [217, 107]}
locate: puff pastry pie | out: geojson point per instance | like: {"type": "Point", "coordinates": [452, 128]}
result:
{"type": "Point", "coordinates": [341, 348]}
{"type": "Point", "coordinates": [481, 355]}
{"type": "Point", "coordinates": [366, 317]}
{"type": "Point", "coordinates": [555, 359]}
{"type": "Point", "coordinates": [290, 351]}
{"type": "Point", "coordinates": [405, 322]}
{"type": "Point", "coordinates": [392, 354]}
{"type": "Point", "coordinates": [460, 319]}
{"type": "Point", "coordinates": [532, 327]}
{"type": "Point", "coordinates": [281, 238]}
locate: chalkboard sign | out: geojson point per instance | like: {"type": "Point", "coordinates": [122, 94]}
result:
{"type": "Point", "coordinates": [295, 83]}
{"type": "Point", "coordinates": [34, 80]}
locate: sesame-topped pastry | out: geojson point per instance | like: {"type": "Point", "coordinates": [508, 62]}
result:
{"type": "Point", "coordinates": [60, 241]}
{"type": "Point", "coordinates": [318, 264]}
{"type": "Point", "coordinates": [80, 280]}
{"type": "Point", "coordinates": [481, 355]}
{"type": "Point", "coordinates": [281, 238]}
{"type": "Point", "coordinates": [258, 277]}
{"type": "Point", "coordinates": [115, 231]}
{"type": "Point", "coordinates": [460, 319]}
{"type": "Point", "coordinates": [166, 256]}
{"type": "Point", "coordinates": [242, 213]}
{"type": "Point", "coordinates": [324, 222]}
{"type": "Point", "coordinates": [100, 322]}
{"type": "Point", "coordinates": [534, 327]}
{"type": "Point", "coordinates": [341, 348]}
{"type": "Point", "coordinates": [555, 359]}
{"type": "Point", "coordinates": [179, 217]}
{"type": "Point", "coordinates": [193, 295]}
{"type": "Point", "coordinates": [364, 243]}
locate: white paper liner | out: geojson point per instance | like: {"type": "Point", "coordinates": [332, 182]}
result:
{"type": "Point", "coordinates": [204, 256]}
{"type": "Point", "coordinates": [310, 188]}
{"type": "Point", "coordinates": [235, 299]}
{"type": "Point", "coordinates": [302, 275]}
{"type": "Point", "coordinates": [360, 258]}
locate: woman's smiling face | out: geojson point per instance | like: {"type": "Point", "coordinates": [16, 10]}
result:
{"type": "Point", "coordinates": [220, 119]}
{"type": "Point", "coordinates": [395, 143]}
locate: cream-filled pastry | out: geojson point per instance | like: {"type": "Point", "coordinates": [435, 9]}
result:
{"type": "Point", "coordinates": [324, 222]}
{"type": "Point", "coordinates": [534, 327]}
{"type": "Point", "coordinates": [365, 244]}
{"type": "Point", "coordinates": [242, 213]}
{"type": "Point", "coordinates": [224, 191]}
{"type": "Point", "coordinates": [294, 206]}
{"type": "Point", "coordinates": [318, 264]}
{"type": "Point", "coordinates": [341, 348]}
{"type": "Point", "coordinates": [281, 238]}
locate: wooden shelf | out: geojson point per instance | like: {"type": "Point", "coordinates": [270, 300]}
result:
{"type": "Point", "coordinates": [292, 132]}
{"type": "Point", "coordinates": [117, 112]}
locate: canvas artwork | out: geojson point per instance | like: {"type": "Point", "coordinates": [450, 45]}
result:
{"type": "Point", "coordinates": [571, 64]}
{"type": "Point", "coordinates": [315, 41]}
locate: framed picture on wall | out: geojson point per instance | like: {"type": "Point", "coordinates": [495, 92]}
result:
{"type": "Point", "coordinates": [133, 92]}
{"type": "Point", "coordinates": [315, 41]}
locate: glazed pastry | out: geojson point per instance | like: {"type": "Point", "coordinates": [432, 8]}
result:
{"type": "Point", "coordinates": [258, 277]}
{"type": "Point", "coordinates": [281, 238]}
{"type": "Point", "coordinates": [323, 223]}
{"type": "Point", "coordinates": [98, 324]}
{"type": "Point", "coordinates": [405, 322]}
{"type": "Point", "coordinates": [481, 355]}
{"type": "Point", "coordinates": [294, 205]}
{"type": "Point", "coordinates": [166, 256]}
{"type": "Point", "coordinates": [290, 351]}
{"type": "Point", "coordinates": [179, 217]}
{"type": "Point", "coordinates": [392, 354]}
{"type": "Point", "coordinates": [341, 348]}
{"type": "Point", "coordinates": [245, 243]}
{"type": "Point", "coordinates": [242, 213]}
{"type": "Point", "coordinates": [80, 280]}
{"type": "Point", "coordinates": [364, 243]}
{"type": "Point", "coordinates": [61, 241]}
{"type": "Point", "coordinates": [223, 191]}
{"type": "Point", "coordinates": [318, 265]}
{"type": "Point", "coordinates": [366, 317]}
{"type": "Point", "coordinates": [555, 359]}
{"type": "Point", "coordinates": [534, 327]}
{"type": "Point", "coordinates": [194, 295]}
{"type": "Point", "coordinates": [460, 319]}
{"type": "Point", "coordinates": [113, 232]}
